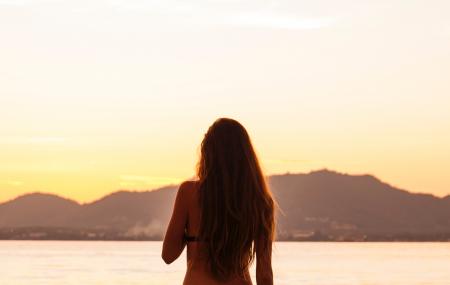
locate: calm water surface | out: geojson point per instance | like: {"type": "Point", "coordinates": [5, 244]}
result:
{"type": "Point", "coordinates": [139, 263]}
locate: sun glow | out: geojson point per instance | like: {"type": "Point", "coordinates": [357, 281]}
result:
{"type": "Point", "coordinates": [108, 95]}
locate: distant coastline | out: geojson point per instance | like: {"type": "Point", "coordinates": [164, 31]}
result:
{"type": "Point", "coordinates": [43, 233]}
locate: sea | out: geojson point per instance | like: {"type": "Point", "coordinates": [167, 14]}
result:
{"type": "Point", "coordinates": [139, 263]}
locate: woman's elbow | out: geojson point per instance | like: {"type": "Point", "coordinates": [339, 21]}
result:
{"type": "Point", "coordinates": [171, 251]}
{"type": "Point", "coordinates": [168, 259]}
{"type": "Point", "coordinates": [167, 254]}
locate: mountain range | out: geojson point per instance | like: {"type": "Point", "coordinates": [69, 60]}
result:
{"type": "Point", "coordinates": [320, 205]}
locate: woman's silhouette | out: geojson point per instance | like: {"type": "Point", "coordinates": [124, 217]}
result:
{"type": "Point", "coordinates": [226, 218]}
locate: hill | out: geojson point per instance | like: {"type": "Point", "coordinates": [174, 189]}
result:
{"type": "Point", "coordinates": [37, 209]}
{"type": "Point", "coordinates": [321, 205]}
{"type": "Point", "coordinates": [342, 204]}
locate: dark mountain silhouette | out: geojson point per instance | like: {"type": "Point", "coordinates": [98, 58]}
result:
{"type": "Point", "coordinates": [124, 211]}
{"type": "Point", "coordinates": [321, 205]}
{"type": "Point", "coordinates": [37, 209]}
{"type": "Point", "coordinates": [333, 202]}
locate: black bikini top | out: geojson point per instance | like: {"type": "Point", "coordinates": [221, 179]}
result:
{"type": "Point", "coordinates": [189, 238]}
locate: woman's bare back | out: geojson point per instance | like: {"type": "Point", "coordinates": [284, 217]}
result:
{"type": "Point", "coordinates": [197, 269]}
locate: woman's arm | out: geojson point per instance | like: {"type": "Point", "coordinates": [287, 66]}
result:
{"type": "Point", "coordinates": [173, 241]}
{"type": "Point", "coordinates": [264, 274]}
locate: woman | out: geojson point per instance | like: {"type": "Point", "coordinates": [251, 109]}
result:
{"type": "Point", "coordinates": [226, 218]}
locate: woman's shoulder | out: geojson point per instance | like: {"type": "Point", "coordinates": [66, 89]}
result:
{"type": "Point", "coordinates": [189, 184]}
{"type": "Point", "coordinates": [189, 187]}
{"type": "Point", "coordinates": [188, 192]}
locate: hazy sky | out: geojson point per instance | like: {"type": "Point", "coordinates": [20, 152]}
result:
{"type": "Point", "coordinates": [97, 96]}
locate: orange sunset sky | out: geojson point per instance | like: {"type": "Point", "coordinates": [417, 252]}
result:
{"type": "Point", "coordinates": [97, 96]}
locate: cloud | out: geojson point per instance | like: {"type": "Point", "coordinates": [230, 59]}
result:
{"type": "Point", "coordinates": [15, 2]}
{"type": "Point", "coordinates": [33, 140]}
{"type": "Point", "coordinates": [279, 21]}
{"type": "Point", "coordinates": [287, 161]}
{"type": "Point", "coordinates": [245, 14]}
{"type": "Point", "coordinates": [46, 140]}
{"type": "Point", "coordinates": [14, 183]}
{"type": "Point", "coordinates": [136, 180]}
{"type": "Point", "coordinates": [227, 13]}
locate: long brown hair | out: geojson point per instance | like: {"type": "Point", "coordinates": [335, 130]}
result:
{"type": "Point", "coordinates": [236, 204]}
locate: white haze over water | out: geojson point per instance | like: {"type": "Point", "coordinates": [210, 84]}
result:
{"type": "Point", "coordinates": [139, 263]}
